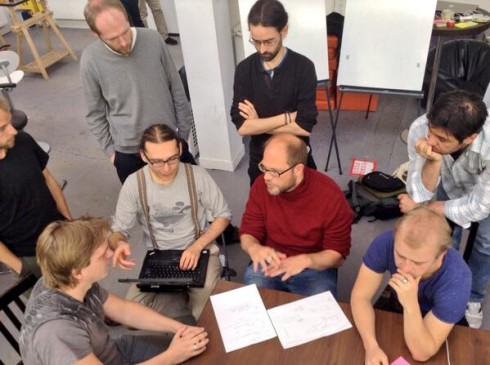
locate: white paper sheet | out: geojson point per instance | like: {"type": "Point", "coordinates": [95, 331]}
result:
{"type": "Point", "coordinates": [242, 317]}
{"type": "Point", "coordinates": [307, 319]}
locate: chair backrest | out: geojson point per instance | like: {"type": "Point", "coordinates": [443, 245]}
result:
{"type": "Point", "coordinates": [8, 300]}
{"type": "Point", "coordinates": [465, 64]}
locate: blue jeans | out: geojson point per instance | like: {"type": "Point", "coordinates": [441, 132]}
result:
{"type": "Point", "coordinates": [308, 282]}
{"type": "Point", "coordinates": [479, 261]}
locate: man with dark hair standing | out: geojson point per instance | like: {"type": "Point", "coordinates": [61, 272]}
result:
{"type": "Point", "coordinates": [129, 82]}
{"type": "Point", "coordinates": [275, 88]}
{"type": "Point", "coordinates": [30, 197]}
{"type": "Point", "coordinates": [449, 151]}
{"type": "Point", "coordinates": [296, 225]}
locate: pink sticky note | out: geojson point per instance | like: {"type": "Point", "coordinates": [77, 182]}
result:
{"type": "Point", "coordinates": [400, 361]}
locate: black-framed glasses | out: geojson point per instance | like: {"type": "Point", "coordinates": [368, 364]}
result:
{"type": "Point", "coordinates": [171, 161]}
{"type": "Point", "coordinates": [268, 42]}
{"type": "Point", "coordinates": [272, 172]}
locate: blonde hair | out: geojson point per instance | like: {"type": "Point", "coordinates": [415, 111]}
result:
{"type": "Point", "coordinates": [65, 246]}
{"type": "Point", "coordinates": [426, 227]}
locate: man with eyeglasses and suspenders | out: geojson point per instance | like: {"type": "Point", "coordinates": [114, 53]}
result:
{"type": "Point", "coordinates": [297, 224]}
{"type": "Point", "coordinates": [171, 221]}
{"type": "Point", "coordinates": [275, 88]}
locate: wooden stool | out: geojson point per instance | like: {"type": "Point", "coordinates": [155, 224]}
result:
{"type": "Point", "coordinates": [21, 28]}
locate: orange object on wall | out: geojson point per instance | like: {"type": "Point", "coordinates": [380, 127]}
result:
{"type": "Point", "coordinates": [350, 101]}
{"type": "Point", "coordinates": [356, 101]}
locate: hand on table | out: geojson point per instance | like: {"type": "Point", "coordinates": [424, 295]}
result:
{"type": "Point", "coordinates": [187, 342]}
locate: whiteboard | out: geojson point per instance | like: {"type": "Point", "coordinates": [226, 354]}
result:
{"type": "Point", "coordinates": [307, 31]}
{"type": "Point", "coordinates": [385, 44]}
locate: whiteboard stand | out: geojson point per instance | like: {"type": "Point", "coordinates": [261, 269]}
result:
{"type": "Point", "coordinates": [333, 125]}
{"type": "Point", "coordinates": [359, 90]}
{"type": "Point", "coordinates": [384, 49]}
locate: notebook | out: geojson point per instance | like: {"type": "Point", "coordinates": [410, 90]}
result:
{"type": "Point", "coordinates": [161, 272]}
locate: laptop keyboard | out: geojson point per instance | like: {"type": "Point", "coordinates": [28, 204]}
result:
{"type": "Point", "coordinates": [157, 270]}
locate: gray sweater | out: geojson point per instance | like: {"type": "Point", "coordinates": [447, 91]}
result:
{"type": "Point", "coordinates": [126, 94]}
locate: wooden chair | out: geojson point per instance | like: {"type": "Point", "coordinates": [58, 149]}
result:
{"type": "Point", "coordinates": [8, 300]}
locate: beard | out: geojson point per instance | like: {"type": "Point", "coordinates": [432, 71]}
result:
{"type": "Point", "coordinates": [275, 190]}
{"type": "Point", "coordinates": [269, 56]}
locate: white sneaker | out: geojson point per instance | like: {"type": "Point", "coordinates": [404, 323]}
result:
{"type": "Point", "coordinates": [474, 315]}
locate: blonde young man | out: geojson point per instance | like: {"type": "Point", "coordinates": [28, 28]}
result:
{"type": "Point", "coordinates": [64, 321]}
{"type": "Point", "coordinates": [171, 220]}
{"type": "Point", "coordinates": [429, 280]}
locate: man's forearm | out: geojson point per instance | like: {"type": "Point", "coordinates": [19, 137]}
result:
{"type": "Point", "coordinates": [138, 316]}
{"type": "Point", "coordinates": [430, 174]}
{"type": "Point", "coordinates": [292, 128]}
{"type": "Point", "coordinates": [9, 259]}
{"type": "Point", "coordinates": [212, 232]}
{"type": "Point", "coordinates": [57, 194]}
{"type": "Point", "coordinates": [323, 260]}
{"type": "Point", "coordinates": [248, 242]}
{"type": "Point", "coordinates": [115, 238]}
{"type": "Point", "coordinates": [417, 336]}
{"type": "Point", "coordinates": [364, 319]}
{"type": "Point", "coordinates": [262, 125]}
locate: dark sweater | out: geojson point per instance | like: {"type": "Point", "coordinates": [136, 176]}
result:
{"type": "Point", "coordinates": [293, 88]}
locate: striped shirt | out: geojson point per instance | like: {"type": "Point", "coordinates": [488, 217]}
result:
{"type": "Point", "coordinates": [466, 180]}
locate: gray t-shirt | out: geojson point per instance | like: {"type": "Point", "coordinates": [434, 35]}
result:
{"type": "Point", "coordinates": [170, 208]}
{"type": "Point", "coordinates": [59, 329]}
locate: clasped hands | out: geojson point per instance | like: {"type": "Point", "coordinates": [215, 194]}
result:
{"type": "Point", "coordinates": [406, 287]}
{"type": "Point", "coordinates": [274, 263]}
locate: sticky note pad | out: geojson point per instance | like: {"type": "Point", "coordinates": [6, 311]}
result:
{"type": "Point", "coordinates": [400, 361]}
{"type": "Point", "coordinates": [463, 25]}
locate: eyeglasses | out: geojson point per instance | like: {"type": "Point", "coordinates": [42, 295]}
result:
{"type": "Point", "coordinates": [171, 161]}
{"type": "Point", "coordinates": [268, 42]}
{"type": "Point", "coordinates": [273, 173]}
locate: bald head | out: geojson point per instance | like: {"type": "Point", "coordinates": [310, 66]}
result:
{"type": "Point", "coordinates": [294, 149]}
{"type": "Point", "coordinates": [95, 7]}
{"type": "Point", "coordinates": [421, 227]}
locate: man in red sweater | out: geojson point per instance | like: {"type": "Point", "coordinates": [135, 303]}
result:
{"type": "Point", "coordinates": [297, 224]}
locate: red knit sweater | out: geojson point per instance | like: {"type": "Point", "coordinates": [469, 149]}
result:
{"type": "Point", "coordinates": [313, 217]}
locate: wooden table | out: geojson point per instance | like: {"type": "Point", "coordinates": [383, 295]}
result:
{"type": "Point", "coordinates": [21, 28]}
{"type": "Point", "coordinates": [466, 346]}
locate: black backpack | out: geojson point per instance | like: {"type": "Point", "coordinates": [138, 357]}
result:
{"type": "Point", "coordinates": [382, 209]}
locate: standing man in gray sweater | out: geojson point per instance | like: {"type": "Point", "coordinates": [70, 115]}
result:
{"type": "Point", "coordinates": [130, 82]}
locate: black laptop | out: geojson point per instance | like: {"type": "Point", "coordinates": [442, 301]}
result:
{"type": "Point", "coordinates": [161, 272]}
